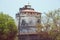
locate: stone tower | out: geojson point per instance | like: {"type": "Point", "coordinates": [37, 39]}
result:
{"type": "Point", "coordinates": [27, 18]}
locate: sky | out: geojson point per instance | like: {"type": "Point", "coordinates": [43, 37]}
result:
{"type": "Point", "coordinates": [11, 7]}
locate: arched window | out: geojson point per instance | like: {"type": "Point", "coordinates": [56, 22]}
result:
{"type": "Point", "coordinates": [38, 21]}
{"type": "Point", "coordinates": [23, 22]}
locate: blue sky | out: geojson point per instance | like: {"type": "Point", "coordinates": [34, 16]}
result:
{"type": "Point", "coordinates": [11, 7]}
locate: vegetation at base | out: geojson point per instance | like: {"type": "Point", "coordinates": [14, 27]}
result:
{"type": "Point", "coordinates": [8, 29]}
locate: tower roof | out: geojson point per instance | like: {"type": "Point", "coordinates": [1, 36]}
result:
{"type": "Point", "coordinates": [27, 8]}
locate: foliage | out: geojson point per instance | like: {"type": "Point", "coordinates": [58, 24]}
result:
{"type": "Point", "coordinates": [54, 22]}
{"type": "Point", "coordinates": [39, 27]}
{"type": "Point", "coordinates": [8, 29]}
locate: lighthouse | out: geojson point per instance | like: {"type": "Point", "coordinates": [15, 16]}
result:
{"type": "Point", "coordinates": [27, 18]}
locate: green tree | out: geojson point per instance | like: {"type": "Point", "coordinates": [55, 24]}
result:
{"type": "Point", "coordinates": [8, 29]}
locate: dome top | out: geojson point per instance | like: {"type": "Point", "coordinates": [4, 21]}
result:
{"type": "Point", "coordinates": [26, 7]}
